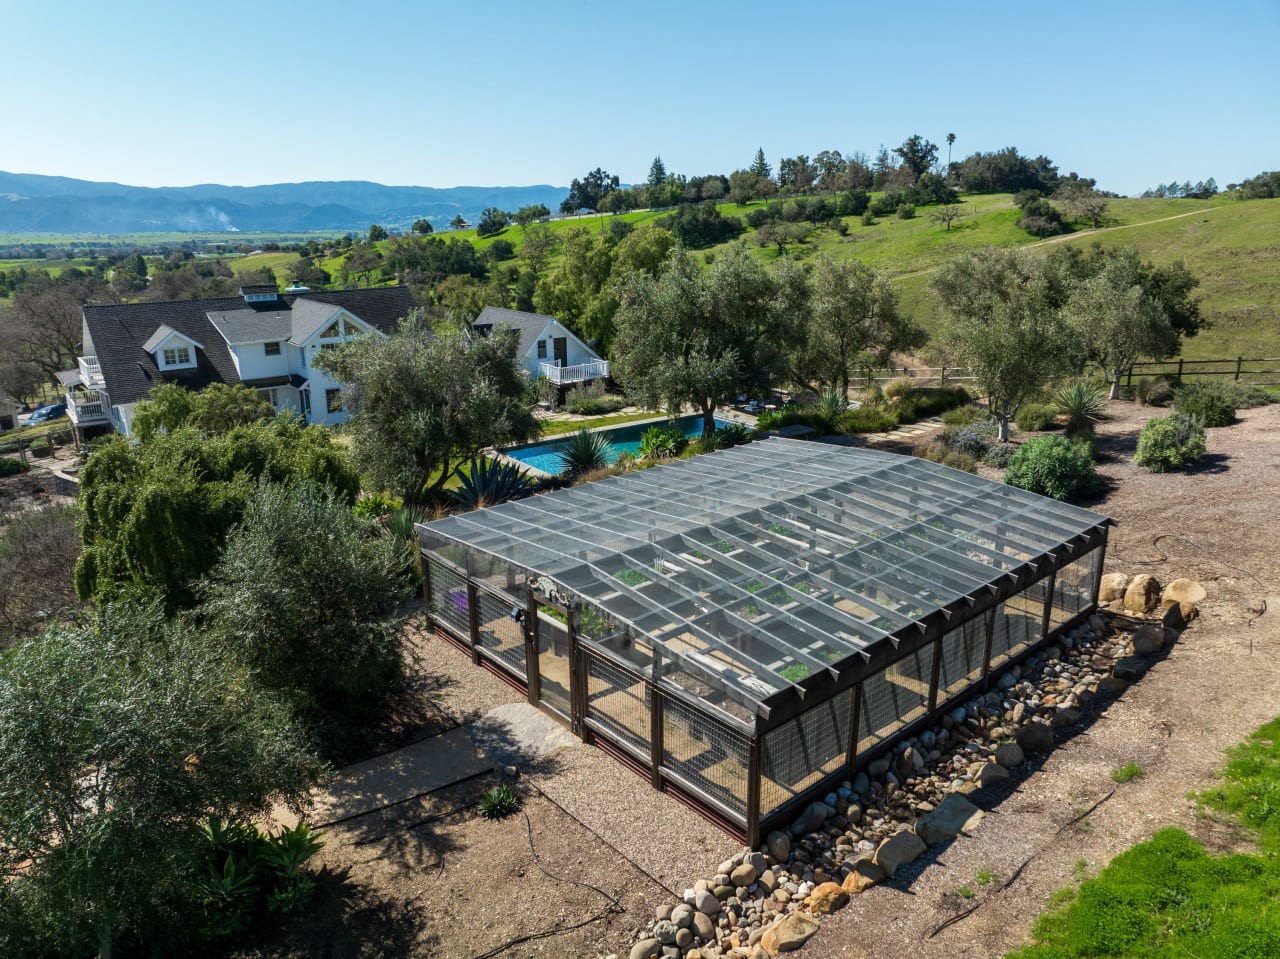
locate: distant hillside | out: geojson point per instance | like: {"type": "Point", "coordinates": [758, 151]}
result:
{"type": "Point", "coordinates": [30, 203]}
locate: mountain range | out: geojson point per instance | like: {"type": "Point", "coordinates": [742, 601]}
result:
{"type": "Point", "coordinates": [31, 203]}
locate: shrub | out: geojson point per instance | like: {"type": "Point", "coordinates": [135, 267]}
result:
{"type": "Point", "coordinates": [906, 211]}
{"type": "Point", "coordinates": [932, 400]}
{"type": "Point", "coordinates": [999, 455]}
{"type": "Point", "coordinates": [898, 387]}
{"type": "Point", "coordinates": [1152, 391]}
{"type": "Point", "coordinates": [1051, 466]}
{"type": "Point", "coordinates": [1170, 443]}
{"type": "Point", "coordinates": [934, 451]}
{"type": "Point", "coordinates": [1214, 404]}
{"type": "Point", "coordinates": [735, 434]}
{"type": "Point", "coordinates": [1034, 417]}
{"type": "Point", "coordinates": [11, 467]}
{"type": "Point", "coordinates": [373, 506]}
{"type": "Point", "coordinates": [1083, 405]}
{"type": "Point", "coordinates": [867, 419]}
{"type": "Point", "coordinates": [868, 218]}
{"type": "Point", "coordinates": [662, 442]}
{"type": "Point", "coordinates": [873, 395]}
{"type": "Point", "coordinates": [967, 440]}
{"type": "Point", "coordinates": [1249, 395]}
{"type": "Point", "coordinates": [831, 403]}
{"type": "Point", "coordinates": [592, 400]}
{"type": "Point", "coordinates": [964, 415]}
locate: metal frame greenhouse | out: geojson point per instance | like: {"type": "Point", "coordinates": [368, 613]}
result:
{"type": "Point", "coordinates": [747, 626]}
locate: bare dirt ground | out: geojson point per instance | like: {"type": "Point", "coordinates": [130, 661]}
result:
{"type": "Point", "coordinates": [431, 878]}
{"type": "Point", "coordinates": [1215, 686]}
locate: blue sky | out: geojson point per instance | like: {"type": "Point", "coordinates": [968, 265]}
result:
{"type": "Point", "coordinates": [443, 94]}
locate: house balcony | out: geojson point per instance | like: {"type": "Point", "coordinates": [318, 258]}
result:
{"type": "Point", "coordinates": [91, 373]}
{"type": "Point", "coordinates": [87, 408]}
{"type": "Point", "coordinates": [578, 373]}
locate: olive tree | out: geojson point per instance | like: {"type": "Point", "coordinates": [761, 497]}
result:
{"type": "Point", "coordinates": [1117, 320]}
{"type": "Point", "coordinates": [118, 741]}
{"type": "Point", "coordinates": [304, 598]}
{"type": "Point", "coordinates": [423, 401]}
{"type": "Point", "coordinates": [701, 338]}
{"type": "Point", "coordinates": [852, 312]}
{"type": "Point", "coordinates": [1005, 327]}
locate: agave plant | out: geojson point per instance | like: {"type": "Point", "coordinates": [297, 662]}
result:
{"type": "Point", "coordinates": [1083, 405]}
{"type": "Point", "coordinates": [488, 482]}
{"type": "Point", "coordinates": [585, 452]}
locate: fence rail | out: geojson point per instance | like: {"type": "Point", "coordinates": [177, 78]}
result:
{"type": "Point", "coordinates": [1237, 367]}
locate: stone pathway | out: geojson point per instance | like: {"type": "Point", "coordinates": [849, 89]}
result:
{"type": "Point", "coordinates": [514, 734]}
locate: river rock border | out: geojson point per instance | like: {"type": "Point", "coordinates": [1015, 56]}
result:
{"type": "Point", "coordinates": [767, 901]}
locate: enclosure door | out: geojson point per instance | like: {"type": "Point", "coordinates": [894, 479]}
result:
{"type": "Point", "coordinates": [561, 350]}
{"type": "Point", "coordinates": [553, 668]}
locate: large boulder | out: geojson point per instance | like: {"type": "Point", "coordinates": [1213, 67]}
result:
{"type": "Point", "coordinates": [899, 850]}
{"type": "Point", "coordinates": [1148, 639]}
{"type": "Point", "coordinates": [952, 816]}
{"type": "Point", "coordinates": [827, 898]}
{"type": "Point", "coordinates": [646, 949]}
{"type": "Point", "coordinates": [789, 933]}
{"type": "Point", "coordinates": [863, 875]}
{"type": "Point", "coordinates": [1112, 587]}
{"type": "Point", "coordinates": [743, 875]}
{"type": "Point", "coordinates": [1142, 595]}
{"type": "Point", "coordinates": [1182, 591]}
{"type": "Point", "coordinates": [1034, 737]}
{"type": "Point", "coordinates": [1009, 755]}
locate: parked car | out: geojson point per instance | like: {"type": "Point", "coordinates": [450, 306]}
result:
{"type": "Point", "coordinates": [47, 414]}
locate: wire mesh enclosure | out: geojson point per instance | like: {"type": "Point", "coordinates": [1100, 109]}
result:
{"type": "Point", "coordinates": [748, 626]}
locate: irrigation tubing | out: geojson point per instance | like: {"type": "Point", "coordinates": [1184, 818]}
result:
{"type": "Point", "coordinates": [614, 904]}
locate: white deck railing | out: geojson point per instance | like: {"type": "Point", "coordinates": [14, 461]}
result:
{"type": "Point", "coordinates": [86, 407]}
{"type": "Point", "coordinates": [91, 372]}
{"type": "Point", "coordinates": [579, 372]}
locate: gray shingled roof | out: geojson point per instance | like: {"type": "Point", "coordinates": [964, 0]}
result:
{"type": "Point", "coordinates": [310, 316]}
{"type": "Point", "coordinates": [528, 325]}
{"type": "Point", "coordinates": [119, 333]}
{"type": "Point", "coordinates": [253, 326]}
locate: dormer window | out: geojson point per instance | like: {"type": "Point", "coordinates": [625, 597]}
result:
{"type": "Point", "coordinates": [172, 350]}
{"type": "Point", "coordinates": [260, 293]}
{"type": "Point", "coordinates": [177, 356]}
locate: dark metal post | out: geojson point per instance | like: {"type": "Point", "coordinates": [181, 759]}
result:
{"type": "Point", "coordinates": [531, 641]}
{"type": "Point", "coordinates": [473, 619]}
{"type": "Point", "coordinates": [655, 734]}
{"type": "Point", "coordinates": [753, 792]}
{"type": "Point", "coordinates": [577, 698]}
{"type": "Point", "coordinates": [1102, 558]}
{"type": "Point", "coordinates": [986, 648]}
{"type": "Point", "coordinates": [1179, 368]}
{"type": "Point", "coordinates": [934, 672]}
{"type": "Point", "coordinates": [853, 725]}
{"type": "Point", "coordinates": [1048, 605]}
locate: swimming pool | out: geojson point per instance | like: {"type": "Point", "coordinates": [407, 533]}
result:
{"type": "Point", "coordinates": [624, 439]}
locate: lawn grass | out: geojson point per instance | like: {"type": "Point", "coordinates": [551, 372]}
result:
{"type": "Point", "coordinates": [1167, 897]}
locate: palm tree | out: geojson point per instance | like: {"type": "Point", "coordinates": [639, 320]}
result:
{"type": "Point", "coordinates": [951, 138]}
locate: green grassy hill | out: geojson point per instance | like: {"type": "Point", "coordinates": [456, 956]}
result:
{"type": "Point", "coordinates": [1233, 246]}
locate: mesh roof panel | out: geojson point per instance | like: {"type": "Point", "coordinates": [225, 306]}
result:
{"type": "Point", "coordinates": [771, 561]}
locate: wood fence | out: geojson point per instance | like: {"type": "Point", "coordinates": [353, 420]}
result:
{"type": "Point", "coordinates": [1264, 371]}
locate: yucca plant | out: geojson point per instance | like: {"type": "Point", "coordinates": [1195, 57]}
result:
{"type": "Point", "coordinates": [488, 482]}
{"type": "Point", "coordinates": [402, 521]}
{"type": "Point", "coordinates": [1083, 405]}
{"type": "Point", "coordinates": [831, 404]}
{"type": "Point", "coordinates": [585, 453]}
{"type": "Point", "coordinates": [499, 802]}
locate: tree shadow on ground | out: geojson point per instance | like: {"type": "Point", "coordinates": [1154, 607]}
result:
{"type": "Point", "coordinates": [348, 920]}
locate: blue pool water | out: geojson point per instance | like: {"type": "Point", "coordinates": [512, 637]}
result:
{"type": "Point", "coordinates": [623, 439]}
